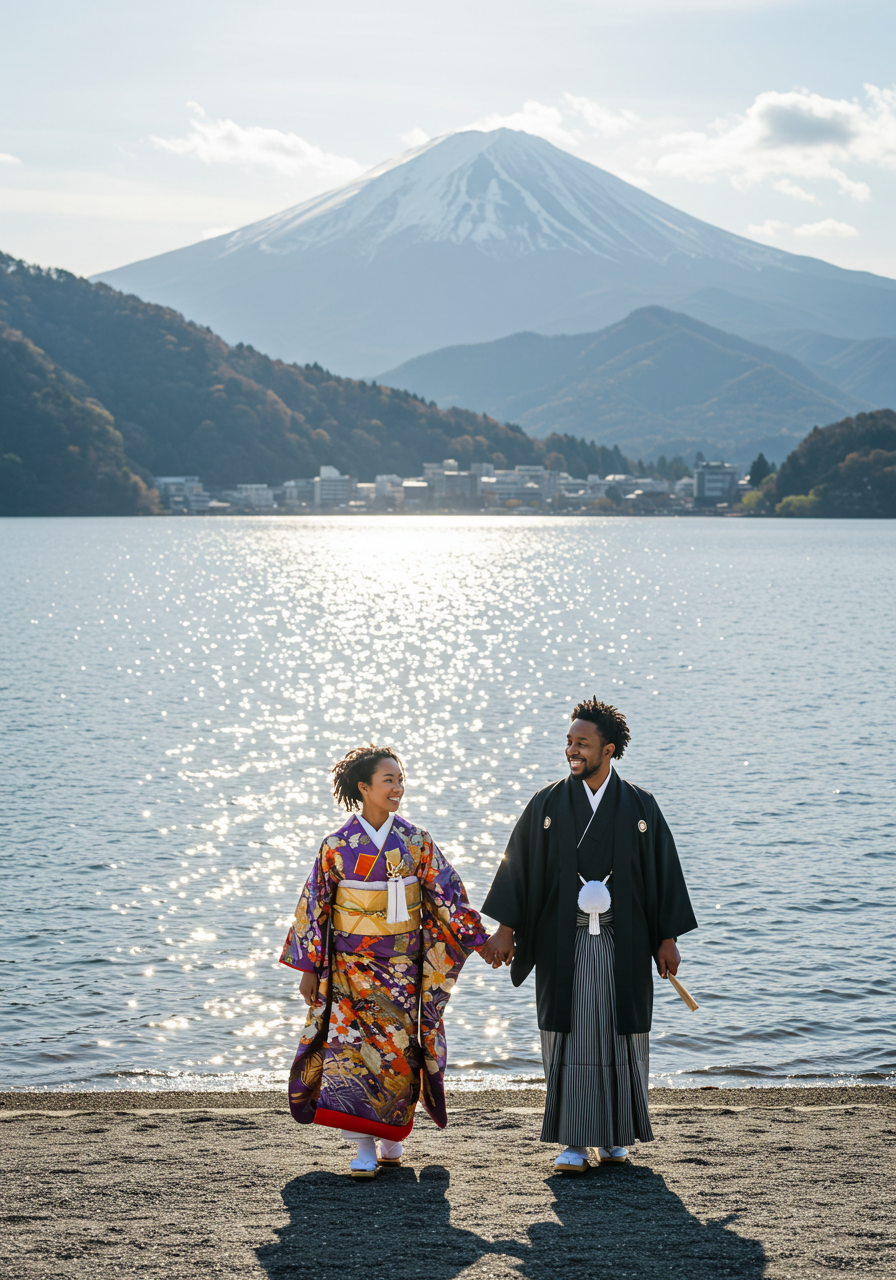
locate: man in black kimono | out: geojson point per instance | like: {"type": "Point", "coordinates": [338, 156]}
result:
{"type": "Point", "coordinates": [593, 978]}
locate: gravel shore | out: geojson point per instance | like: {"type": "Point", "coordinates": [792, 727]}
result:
{"type": "Point", "coordinates": [772, 1183]}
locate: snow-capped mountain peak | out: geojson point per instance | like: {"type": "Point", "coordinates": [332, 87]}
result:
{"type": "Point", "coordinates": [505, 192]}
{"type": "Point", "coordinates": [475, 236]}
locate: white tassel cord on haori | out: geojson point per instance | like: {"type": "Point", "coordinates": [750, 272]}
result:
{"type": "Point", "coordinates": [594, 900]}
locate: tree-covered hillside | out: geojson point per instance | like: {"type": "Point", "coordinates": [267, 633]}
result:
{"type": "Point", "coordinates": [59, 451]}
{"type": "Point", "coordinates": [847, 470]}
{"type": "Point", "coordinates": [185, 402]}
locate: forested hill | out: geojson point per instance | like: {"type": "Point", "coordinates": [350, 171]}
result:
{"type": "Point", "coordinates": [847, 469]}
{"type": "Point", "coordinates": [59, 450]}
{"type": "Point", "coordinates": [184, 401]}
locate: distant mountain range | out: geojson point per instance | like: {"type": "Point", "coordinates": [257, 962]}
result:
{"type": "Point", "coordinates": [476, 236]}
{"type": "Point", "coordinates": [95, 385]}
{"type": "Point", "coordinates": [862, 368]}
{"type": "Point", "coordinates": [658, 382]}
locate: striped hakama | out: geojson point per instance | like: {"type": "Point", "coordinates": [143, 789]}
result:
{"type": "Point", "coordinates": [596, 1079]}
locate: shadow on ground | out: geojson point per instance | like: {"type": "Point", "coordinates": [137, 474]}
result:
{"type": "Point", "coordinates": [619, 1223]}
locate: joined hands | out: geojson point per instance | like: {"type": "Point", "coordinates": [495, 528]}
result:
{"type": "Point", "coordinates": [499, 948]}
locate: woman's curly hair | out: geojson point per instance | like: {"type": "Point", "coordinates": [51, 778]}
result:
{"type": "Point", "coordinates": [610, 723]}
{"type": "Point", "coordinates": [357, 766]}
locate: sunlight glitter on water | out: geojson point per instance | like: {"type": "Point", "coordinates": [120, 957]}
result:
{"type": "Point", "coordinates": [182, 688]}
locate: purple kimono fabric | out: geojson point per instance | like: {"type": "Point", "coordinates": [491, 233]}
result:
{"type": "Point", "coordinates": [374, 1042]}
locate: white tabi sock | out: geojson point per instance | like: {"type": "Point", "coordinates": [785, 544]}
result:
{"type": "Point", "coordinates": [389, 1150]}
{"type": "Point", "coordinates": [366, 1156]}
{"type": "Point", "coordinates": [572, 1155]}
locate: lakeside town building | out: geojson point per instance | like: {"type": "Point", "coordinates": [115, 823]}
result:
{"type": "Point", "coordinates": [181, 493]}
{"type": "Point", "coordinates": [332, 489]}
{"type": "Point", "coordinates": [714, 483]}
{"type": "Point", "coordinates": [254, 497]}
{"type": "Point", "coordinates": [444, 486]}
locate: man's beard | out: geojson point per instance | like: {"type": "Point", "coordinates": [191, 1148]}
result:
{"type": "Point", "coordinates": [589, 772]}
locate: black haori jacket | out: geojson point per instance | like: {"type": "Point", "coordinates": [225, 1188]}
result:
{"type": "Point", "coordinates": [536, 889]}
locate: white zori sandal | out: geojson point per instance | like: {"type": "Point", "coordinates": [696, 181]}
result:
{"type": "Point", "coordinates": [388, 1152]}
{"type": "Point", "coordinates": [572, 1160]}
{"type": "Point", "coordinates": [613, 1155]}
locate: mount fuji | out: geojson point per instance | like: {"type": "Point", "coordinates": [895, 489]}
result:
{"type": "Point", "coordinates": [475, 236]}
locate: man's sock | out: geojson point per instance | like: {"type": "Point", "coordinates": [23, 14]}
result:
{"type": "Point", "coordinates": [573, 1155]}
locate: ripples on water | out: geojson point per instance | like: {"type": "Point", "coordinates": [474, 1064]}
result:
{"type": "Point", "coordinates": [176, 691]}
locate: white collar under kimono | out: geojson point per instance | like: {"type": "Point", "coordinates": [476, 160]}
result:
{"type": "Point", "coordinates": [378, 837]}
{"type": "Point", "coordinates": [594, 797]}
{"type": "Point", "coordinates": [396, 908]}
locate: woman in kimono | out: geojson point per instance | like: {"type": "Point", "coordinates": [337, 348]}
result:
{"type": "Point", "coordinates": [381, 932]}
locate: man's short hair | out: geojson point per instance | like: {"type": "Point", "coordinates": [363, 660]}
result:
{"type": "Point", "coordinates": [610, 723]}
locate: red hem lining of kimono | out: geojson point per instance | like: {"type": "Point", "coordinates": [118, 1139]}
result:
{"type": "Point", "coordinates": [355, 1124]}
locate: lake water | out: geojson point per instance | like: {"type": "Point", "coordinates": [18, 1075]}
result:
{"type": "Point", "coordinates": [176, 690]}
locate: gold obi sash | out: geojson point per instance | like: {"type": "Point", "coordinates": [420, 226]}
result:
{"type": "Point", "coordinates": [362, 908]}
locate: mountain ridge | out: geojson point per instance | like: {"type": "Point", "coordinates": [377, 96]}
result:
{"type": "Point", "coordinates": [659, 381]}
{"type": "Point", "coordinates": [866, 368]}
{"type": "Point", "coordinates": [475, 236]}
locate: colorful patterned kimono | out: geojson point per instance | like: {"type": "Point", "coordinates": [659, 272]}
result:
{"type": "Point", "coordinates": [375, 1038]}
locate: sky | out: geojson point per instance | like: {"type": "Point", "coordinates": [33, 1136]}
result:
{"type": "Point", "coordinates": [130, 129]}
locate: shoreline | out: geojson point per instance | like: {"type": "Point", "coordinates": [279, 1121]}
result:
{"type": "Point", "coordinates": [704, 1097]}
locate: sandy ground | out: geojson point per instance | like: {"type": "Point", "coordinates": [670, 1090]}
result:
{"type": "Point", "coordinates": [740, 1183]}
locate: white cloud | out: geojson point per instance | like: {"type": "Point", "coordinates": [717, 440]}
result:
{"type": "Point", "coordinates": [788, 188]}
{"type": "Point", "coordinates": [559, 124]}
{"type": "Point", "coordinates": [772, 229]}
{"type": "Point", "coordinates": [212, 233]}
{"type": "Point", "coordinates": [827, 227]}
{"type": "Point", "coordinates": [226, 142]}
{"type": "Point", "coordinates": [790, 135]}
{"type": "Point", "coordinates": [603, 121]}
{"type": "Point", "coordinates": [535, 117]}
{"type": "Point", "coordinates": [768, 230]}
{"type": "Point", "coordinates": [414, 137]}
{"type": "Point", "coordinates": [6, 158]}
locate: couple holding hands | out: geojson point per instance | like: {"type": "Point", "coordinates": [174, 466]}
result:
{"type": "Point", "coordinates": [589, 893]}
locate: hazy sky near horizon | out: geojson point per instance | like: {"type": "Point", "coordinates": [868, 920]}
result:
{"type": "Point", "coordinates": [127, 130]}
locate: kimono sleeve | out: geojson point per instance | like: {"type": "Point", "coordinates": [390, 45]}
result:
{"type": "Point", "coordinates": [675, 914]}
{"type": "Point", "coordinates": [447, 897]}
{"type": "Point", "coordinates": [507, 900]}
{"type": "Point", "coordinates": [305, 946]}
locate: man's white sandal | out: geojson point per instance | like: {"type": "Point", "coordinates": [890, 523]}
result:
{"type": "Point", "coordinates": [570, 1162]}
{"type": "Point", "coordinates": [613, 1155]}
{"type": "Point", "coordinates": [363, 1167]}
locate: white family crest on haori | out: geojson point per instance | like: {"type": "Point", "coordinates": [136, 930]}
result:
{"type": "Point", "coordinates": [594, 899]}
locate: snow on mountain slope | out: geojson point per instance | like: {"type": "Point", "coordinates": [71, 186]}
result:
{"type": "Point", "coordinates": [506, 193]}
{"type": "Point", "coordinates": [475, 236]}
